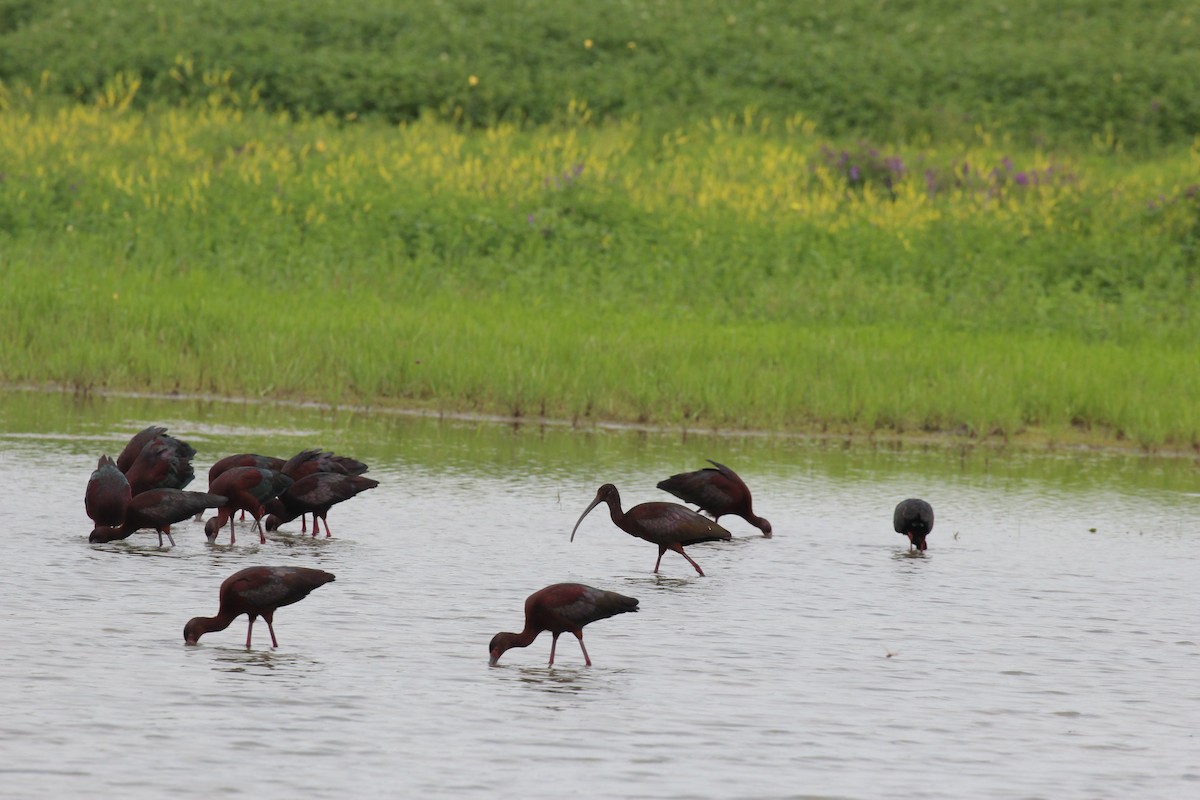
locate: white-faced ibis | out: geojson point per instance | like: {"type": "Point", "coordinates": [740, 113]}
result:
{"type": "Point", "coordinates": [164, 463]}
{"type": "Point", "coordinates": [315, 495]}
{"type": "Point", "coordinates": [107, 496]}
{"type": "Point", "coordinates": [668, 525]}
{"type": "Point", "coordinates": [560, 608]}
{"type": "Point", "coordinates": [716, 491]}
{"type": "Point", "coordinates": [257, 592]}
{"type": "Point", "coordinates": [158, 509]}
{"type": "Point", "coordinates": [244, 460]}
{"type": "Point", "coordinates": [309, 462]}
{"type": "Point", "coordinates": [139, 440]}
{"type": "Point", "coordinates": [914, 519]}
{"type": "Point", "coordinates": [248, 489]}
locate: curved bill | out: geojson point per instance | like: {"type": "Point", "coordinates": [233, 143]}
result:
{"type": "Point", "coordinates": [586, 511]}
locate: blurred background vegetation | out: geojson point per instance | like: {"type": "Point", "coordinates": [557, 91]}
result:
{"type": "Point", "coordinates": [1050, 73]}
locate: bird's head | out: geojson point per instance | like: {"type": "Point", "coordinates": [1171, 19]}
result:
{"type": "Point", "coordinates": [764, 526]}
{"type": "Point", "coordinates": [102, 534]}
{"type": "Point", "coordinates": [211, 527]}
{"type": "Point", "coordinates": [272, 523]}
{"type": "Point", "coordinates": [918, 539]}
{"type": "Point", "coordinates": [193, 631]}
{"type": "Point", "coordinates": [496, 647]}
{"type": "Point", "coordinates": [605, 494]}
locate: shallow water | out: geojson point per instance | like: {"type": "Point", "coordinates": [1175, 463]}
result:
{"type": "Point", "coordinates": [1045, 646]}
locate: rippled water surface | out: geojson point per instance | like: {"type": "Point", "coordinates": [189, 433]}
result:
{"type": "Point", "coordinates": [1045, 646]}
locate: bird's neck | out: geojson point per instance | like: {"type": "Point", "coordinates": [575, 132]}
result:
{"type": "Point", "coordinates": [524, 638]}
{"type": "Point", "coordinates": [614, 510]}
{"type": "Point", "coordinates": [218, 623]}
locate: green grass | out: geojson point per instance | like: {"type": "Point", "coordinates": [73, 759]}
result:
{"type": "Point", "coordinates": [1049, 74]}
{"type": "Point", "coordinates": [747, 281]}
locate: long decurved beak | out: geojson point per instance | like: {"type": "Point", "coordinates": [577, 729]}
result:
{"type": "Point", "coordinates": [586, 511]}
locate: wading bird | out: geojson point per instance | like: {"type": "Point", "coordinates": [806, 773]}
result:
{"type": "Point", "coordinates": [561, 608]}
{"type": "Point", "coordinates": [158, 509]}
{"type": "Point", "coordinates": [164, 463]}
{"type": "Point", "coordinates": [248, 489]}
{"type": "Point", "coordinates": [914, 519]}
{"type": "Point", "coordinates": [717, 491]}
{"type": "Point", "coordinates": [668, 525]}
{"type": "Point", "coordinates": [257, 592]}
{"type": "Point", "coordinates": [308, 462]}
{"type": "Point", "coordinates": [107, 496]}
{"type": "Point", "coordinates": [314, 495]}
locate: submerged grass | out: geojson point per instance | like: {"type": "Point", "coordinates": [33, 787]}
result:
{"type": "Point", "coordinates": [737, 272]}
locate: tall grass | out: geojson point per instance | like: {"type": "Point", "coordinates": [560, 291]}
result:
{"type": "Point", "coordinates": [1054, 73]}
{"type": "Point", "coordinates": [737, 272]}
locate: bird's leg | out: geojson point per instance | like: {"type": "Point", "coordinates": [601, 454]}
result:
{"type": "Point", "coordinates": [327, 533]}
{"type": "Point", "coordinates": [553, 644]}
{"type": "Point", "coordinates": [262, 537]}
{"type": "Point", "coordinates": [586, 658]}
{"type": "Point", "coordinates": [661, 549]}
{"type": "Point", "coordinates": [678, 548]}
{"type": "Point", "coordinates": [271, 628]}
{"type": "Point", "coordinates": [249, 627]}
{"type": "Point", "coordinates": [303, 524]}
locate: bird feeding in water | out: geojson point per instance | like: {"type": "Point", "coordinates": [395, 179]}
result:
{"type": "Point", "coordinates": [668, 525]}
{"type": "Point", "coordinates": [561, 608]}
{"type": "Point", "coordinates": [158, 509]}
{"type": "Point", "coordinates": [257, 592]}
{"type": "Point", "coordinates": [718, 491]}
{"type": "Point", "coordinates": [914, 519]}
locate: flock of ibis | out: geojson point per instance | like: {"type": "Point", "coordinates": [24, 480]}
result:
{"type": "Point", "coordinates": [144, 489]}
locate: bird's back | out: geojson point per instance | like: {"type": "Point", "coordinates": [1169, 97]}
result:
{"type": "Point", "coordinates": [266, 588]}
{"type": "Point", "coordinates": [570, 606]}
{"type": "Point", "coordinates": [671, 523]}
{"type": "Point", "coordinates": [913, 516]}
{"type": "Point", "coordinates": [710, 489]}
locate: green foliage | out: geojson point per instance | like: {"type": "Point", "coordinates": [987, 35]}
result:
{"type": "Point", "coordinates": [889, 71]}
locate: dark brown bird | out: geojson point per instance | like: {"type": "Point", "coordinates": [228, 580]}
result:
{"type": "Point", "coordinates": [668, 525]}
{"type": "Point", "coordinates": [139, 440]}
{"type": "Point", "coordinates": [158, 509]}
{"type": "Point", "coordinates": [315, 495]}
{"type": "Point", "coordinates": [247, 489]}
{"type": "Point", "coordinates": [914, 519]}
{"type": "Point", "coordinates": [244, 460]}
{"type": "Point", "coordinates": [716, 491]}
{"type": "Point", "coordinates": [560, 608]}
{"type": "Point", "coordinates": [107, 496]}
{"type": "Point", "coordinates": [257, 592]}
{"type": "Point", "coordinates": [164, 463]}
{"type": "Point", "coordinates": [309, 462]}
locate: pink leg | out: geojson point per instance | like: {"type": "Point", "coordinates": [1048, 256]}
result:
{"type": "Point", "coordinates": [232, 535]}
{"type": "Point", "coordinates": [303, 524]}
{"type": "Point", "coordinates": [678, 548]}
{"type": "Point", "coordinates": [327, 533]}
{"type": "Point", "coordinates": [587, 659]}
{"type": "Point", "coordinates": [661, 550]}
{"type": "Point", "coordinates": [262, 537]}
{"type": "Point", "coordinates": [553, 644]}
{"type": "Point", "coordinates": [271, 628]}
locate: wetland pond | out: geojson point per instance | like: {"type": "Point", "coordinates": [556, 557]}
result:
{"type": "Point", "coordinates": [1045, 646]}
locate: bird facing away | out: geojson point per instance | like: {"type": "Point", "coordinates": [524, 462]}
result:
{"type": "Point", "coordinates": [717, 491]}
{"type": "Point", "coordinates": [138, 441]}
{"type": "Point", "coordinates": [257, 592]}
{"type": "Point", "coordinates": [668, 525]}
{"type": "Point", "coordinates": [164, 463]}
{"type": "Point", "coordinates": [107, 496]}
{"type": "Point", "coordinates": [914, 519]}
{"type": "Point", "coordinates": [244, 460]}
{"type": "Point", "coordinates": [560, 608]}
{"type": "Point", "coordinates": [247, 489]}
{"type": "Point", "coordinates": [314, 495]}
{"type": "Point", "coordinates": [158, 509]}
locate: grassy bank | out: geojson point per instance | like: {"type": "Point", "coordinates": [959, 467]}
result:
{"type": "Point", "coordinates": [1056, 73]}
{"type": "Point", "coordinates": [735, 272]}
